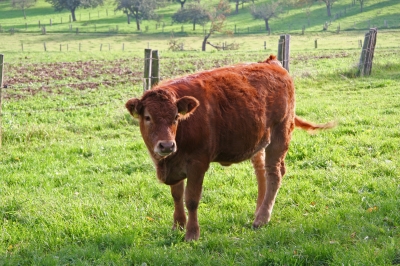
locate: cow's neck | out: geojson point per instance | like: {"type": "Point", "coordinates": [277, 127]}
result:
{"type": "Point", "coordinates": [161, 167]}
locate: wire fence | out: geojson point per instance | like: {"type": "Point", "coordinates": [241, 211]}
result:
{"type": "Point", "coordinates": [289, 28]}
{"type": "Point", "coordinates": [303, 65]}
{"type": "Point", "coordinates": [66, 96]}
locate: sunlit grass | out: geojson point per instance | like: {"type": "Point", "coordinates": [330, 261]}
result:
{"type": "Point", "coordinates": [77, 186]}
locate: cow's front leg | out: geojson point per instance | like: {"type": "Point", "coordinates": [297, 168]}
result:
{"type": "Point", "coordinates": [179, 209]}
{"type": "Point", "coordinates": [192, 197]}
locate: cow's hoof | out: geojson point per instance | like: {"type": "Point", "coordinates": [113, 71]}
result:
{"type": "Point", "coordinates": [192, 235]}
{"type": "Point", "coordinates": [178, 227]}
{"type": "Point", "coordinates": [260, 222]}
{"type": "Point", "coordinates": [257, 225]}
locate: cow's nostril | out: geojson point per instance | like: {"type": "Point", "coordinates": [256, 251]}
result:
{"type": "Point", "coordinates": [165, 147]}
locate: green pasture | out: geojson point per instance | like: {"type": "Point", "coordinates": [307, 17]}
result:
{"type": "Point", "coordinates": [77, 186]}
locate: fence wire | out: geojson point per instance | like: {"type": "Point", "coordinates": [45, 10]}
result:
{"type": "Point", "coordinates": [172, 67]}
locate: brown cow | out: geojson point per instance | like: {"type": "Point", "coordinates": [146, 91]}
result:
{"type": "Point", "coordinates": [224, 115]}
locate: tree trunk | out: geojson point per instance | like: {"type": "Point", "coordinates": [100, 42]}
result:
{"type": "Point", "coordinates": [137, 22]}
{"type": "Point", "coordinates": [328, 9]}
{"type": "Point", "coordinates": [203, 46]}
{"type": "Point", "coordinates": [182, 3]}
{"type": "Point", "coordinates": [237, 6]}
{"type": "Point", "coordinates": [128, 17]}
{"type": "Point", "coordinates": [266, 25]}
{"type": "Point", "coordinates": [73, 14]}
{"type": "Point", "coordinates": [361, 3]}
{"type": "Point", "coordinates": [25, 13]}
{"type": "Point", "coordinates": [194, 25]}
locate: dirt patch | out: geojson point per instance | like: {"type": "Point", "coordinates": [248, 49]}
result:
{"type": "Point", "coordinates": [23, 80]}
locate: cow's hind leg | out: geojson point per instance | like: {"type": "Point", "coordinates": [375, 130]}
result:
{"type": "Point", "coordinates": [258, 161]}
{"type": "Point", "coordinates": [275, 154]}
{"type": "Point", "coordinates": [177, 192]}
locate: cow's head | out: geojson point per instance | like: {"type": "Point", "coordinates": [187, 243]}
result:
{"type": "Point", "coordinates": [159, 112]}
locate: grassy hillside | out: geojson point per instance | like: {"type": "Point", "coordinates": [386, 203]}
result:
{"type": "Point", "coordinates": [104, 19]}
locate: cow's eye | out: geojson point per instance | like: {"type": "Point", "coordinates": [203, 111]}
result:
{"type": "Point", "coordinates": [147, 118]}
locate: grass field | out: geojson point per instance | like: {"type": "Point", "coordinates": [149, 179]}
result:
{"type": "Point", "coordinates": [77, 186]}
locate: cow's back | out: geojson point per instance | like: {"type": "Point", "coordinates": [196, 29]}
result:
{"type": "Point", "coordinates": [238, 107]}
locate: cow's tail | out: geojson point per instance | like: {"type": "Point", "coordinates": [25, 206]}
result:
{"type": "Point", "coordinates": [308, 126]}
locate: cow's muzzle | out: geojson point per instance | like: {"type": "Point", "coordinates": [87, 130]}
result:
{"type": "Point", "coordinates": [165, 147]}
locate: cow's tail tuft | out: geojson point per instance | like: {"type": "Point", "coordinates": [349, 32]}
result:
{"type": "Point", "coordinates": [308, 126]}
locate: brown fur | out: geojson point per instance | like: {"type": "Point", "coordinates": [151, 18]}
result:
{"type": "Point", "coordinates": [225, 115]}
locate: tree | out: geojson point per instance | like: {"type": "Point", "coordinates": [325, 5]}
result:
{"type": "Point", "coordinates": [266, 12]}
{"type": "Point", "coordinates": [23, 4]}
{"type": "Point", "coordinates": [237, 3]}
{"type": "Point", "coordinates": [194, 13]}
{"type": "Point", "coordinates": [182, 2]}
{"type": "Point", "coordinates": [329, 4]}
{"type": "Point", "coordinates": [361, 4]}
{"type": "Point", "coordinates": [72, 5]}
{"type": "Point", "coordinates": [217, 17]}
{"type": "Point", "coordinates": [139, 9]}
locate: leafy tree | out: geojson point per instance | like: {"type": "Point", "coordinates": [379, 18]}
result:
{"type": "Point", "coordinates": [72, 5]}
{"type": "Point", "coordinates": [23, 4]}
{"type": "Point", "coordinates": [217, 17]}
{"type": "Point", "coordinates": [329, 4]}
{"type": "Point", "coordinates": [182, 2]}
{"type": "Point", "coordinates": [139, 9]}
{"type": "Point", "coordinates": [194, 13]}
{"type": "Point", "coordinates": [301, 3]}
{"type": "Point", "coordinates": [266, 12]}
{"type": "Point", "coordinates": [238, 2]}
{"type": "Point", "coordinates": [361, 4]}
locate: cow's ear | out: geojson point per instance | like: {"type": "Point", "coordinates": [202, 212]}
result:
{"type": "Point", "coordinates": [186, 106]}
{"type": "Point", "coordinates": [135, 107]}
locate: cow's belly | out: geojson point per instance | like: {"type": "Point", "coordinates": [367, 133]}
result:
{"type": "Point", "coordinates": [239, 152]}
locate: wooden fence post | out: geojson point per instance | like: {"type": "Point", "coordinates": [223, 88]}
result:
{"type": "Point", "coordinates": [284, 50]}
{"type": "Point", "coordinates": [147, 69]}
{"type": "Point", "coordinates": [367, 53]}
{"type": "Point", "coordinates": [1, 88]}
{"type": "Point", "coordinates": [151, 69]}
{"type": "Point", "coordinates": [155, 68]}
